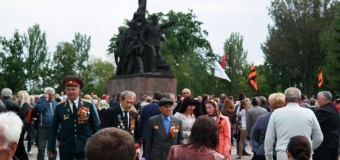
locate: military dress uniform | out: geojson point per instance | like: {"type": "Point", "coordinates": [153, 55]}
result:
{"type": "Point", "coordinates": [75, 126]}
{"type": "Point", "coordinates": [74, 130]}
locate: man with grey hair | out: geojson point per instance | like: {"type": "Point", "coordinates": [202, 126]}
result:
{"type": "Point", "coordinates": [290, 121]}
{"type": "Point", "coordinates": [329, 121]}
{"type": "Point", "coordinates": [10, 104]}
{"type": "Point", "coordinates": [122, 116]}
{"type": "Point", "coordinates": [222, 98]}
{"type": "Point", "coordinates": [46, 106]}
{"type": "Point", "coordinates": [10, 130]}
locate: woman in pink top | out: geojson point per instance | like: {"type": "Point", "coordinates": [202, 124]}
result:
{"type": "Point", "coordinates": [224, 145]}
{"type": "Point", "coordinates": [202, 143]}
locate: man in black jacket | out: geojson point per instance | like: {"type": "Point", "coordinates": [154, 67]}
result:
{"type": "Point", "coordinates": [10, 104]}
{"type": "Point", "coordinates": [122, 116]}
{"type": "Point", "coordinates": [329, 121]}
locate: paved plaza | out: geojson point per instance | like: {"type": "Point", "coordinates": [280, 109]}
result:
{"type": "Point", "coordinates": [33, 156]}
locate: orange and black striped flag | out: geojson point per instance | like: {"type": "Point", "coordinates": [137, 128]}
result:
{"type": "Point", "coordinates": [320, 78]}
{"type": "Point", "coordinates": [252, 77]}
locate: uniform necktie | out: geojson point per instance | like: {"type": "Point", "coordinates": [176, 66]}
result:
{"type": "Point", "coordinates": [126, 120]}
{"type": "Point", "coordinates": [74, 109]}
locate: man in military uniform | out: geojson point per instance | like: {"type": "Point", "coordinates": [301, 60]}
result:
{"type": "Point", "coordinates": [75, 118]}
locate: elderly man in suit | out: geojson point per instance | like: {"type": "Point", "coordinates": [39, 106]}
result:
{"type": "Point", "coordinates": [329, 121]}
{"type": "Point", "coordinates": [164, 130]}
{"type": "Point", "coordinates": [151, 109]}
{"type": "Point", "coordinates": [122, 116]}
{"type": "Point", "coordinates": [76, 121]}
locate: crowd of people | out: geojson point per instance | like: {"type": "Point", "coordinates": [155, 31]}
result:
{"type": "Point", "coordinates": [165, 126]}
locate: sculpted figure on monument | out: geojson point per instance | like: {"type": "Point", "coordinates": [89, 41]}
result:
{"type": "Point", "coordinates": [138, 49]}
{"type": "Point", "coordinates": [151, 36]}
{"type": "Point", "coordinates": [119, 53]}
{"type": "Point", "coordinates": [142, 6]}
{"type": "Point", "coordinates": [123, 47]}
{"type": "Point", "coordinates": [134, 55]}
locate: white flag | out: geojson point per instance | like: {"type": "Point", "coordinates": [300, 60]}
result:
{"type": "Point", "coordinates": [220, 73]}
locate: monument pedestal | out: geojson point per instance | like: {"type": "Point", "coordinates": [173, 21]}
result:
{"type": "Point", "coordinates": [143, 84]}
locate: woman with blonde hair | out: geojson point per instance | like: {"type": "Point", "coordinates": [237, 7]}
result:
{"type": "Point", "coordinates": [276, 100]}
{"type": "Point", "coordinates": [244, 107]}
{"type": "Point", "coordinates": [102, 107]}
{"type": "Point", "coordinates": [25, 115]}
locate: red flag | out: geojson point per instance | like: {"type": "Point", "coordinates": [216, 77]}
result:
{"type": "Point", "coordinates": [252, 77]}
{"type": "Point", "coordinates": [320, 78]}
{"type": "Point", "coordinates": [224, 59]}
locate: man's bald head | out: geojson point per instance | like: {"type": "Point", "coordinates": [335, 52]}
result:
{"type": "Point", "coordinates": [186, 92]}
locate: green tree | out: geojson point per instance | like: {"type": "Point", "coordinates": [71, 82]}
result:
{"type": "Point", "coordinates": [237, 64]}
{"type": "Point", "coordinates": [188, 52]}
{"type": "Point", "coordinates": [12, 62]}
{"type": "Point", "coordinates": [64, 63]}
{"type": "Point", "coordinates": [331, 42]}
{"type": "Point", "coordinates": [97, 75]}
{"type": "Point", "coordinates": [292, 49]}
{"type": "Point", "coordinates": [36, 59]}
{"type": "Point", "coordinates": [82, 45]}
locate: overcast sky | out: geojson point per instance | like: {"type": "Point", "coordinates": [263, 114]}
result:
{"type": "Point", "coordinates": [101, 18]}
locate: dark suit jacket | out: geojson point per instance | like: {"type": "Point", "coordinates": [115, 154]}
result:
{"type": "Point", "coordinates": [158, 143]}
{"type": "Point", "coordinates": [329, 121]}
{"type": "Point", "coordinates": [148, 111]}
{"type": "Point", "coordinates": [73, 133]}
{"type": "Point", "coordinates": [111, 119]}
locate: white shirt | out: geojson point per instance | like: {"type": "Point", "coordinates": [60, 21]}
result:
{"type": "Point", "coordinates": [187, 123]}
{"type": "Point", "coordinates": [128, 115]}
{"type": "Point", "coordinates": [71, 104]}
{"type": "Point", "coordinates": [243, 116]}
{"type": "Point", "coordinates": [287, 122]}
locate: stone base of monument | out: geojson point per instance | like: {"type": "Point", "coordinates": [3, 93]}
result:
{"type": "Point", "coordinates": [143, 83]}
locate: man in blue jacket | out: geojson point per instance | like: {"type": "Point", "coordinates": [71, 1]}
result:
{"type": "Point", "coordinates": [46, 106]}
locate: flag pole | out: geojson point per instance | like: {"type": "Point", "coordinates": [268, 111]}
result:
{"type": "Point", "coordinates": [229, 67]}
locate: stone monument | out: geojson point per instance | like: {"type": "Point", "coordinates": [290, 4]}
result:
{"type": "Point", "coordinates": [140, 65]}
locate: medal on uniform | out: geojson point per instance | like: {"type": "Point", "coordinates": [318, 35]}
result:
{"type": "Point", "coordinates": [66, 117]}
{"type": "Point", "coordinates": [120, 122]}
{"type": "Point", "coordinates": [83, 114]}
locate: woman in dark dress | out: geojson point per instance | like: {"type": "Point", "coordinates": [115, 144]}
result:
{"type": "Point", "coordinates": [25, 114]}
